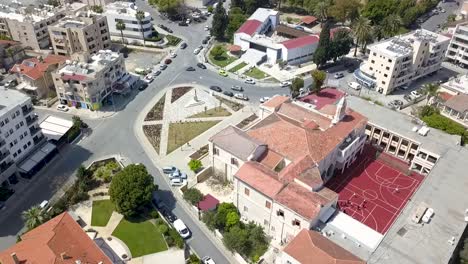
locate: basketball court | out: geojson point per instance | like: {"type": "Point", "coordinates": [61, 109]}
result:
{"type": "Point", "coordinates": [374, 190]}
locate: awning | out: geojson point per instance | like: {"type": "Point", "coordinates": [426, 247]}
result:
{"type": "Point", "coordinates": [55, 127]}
{"type": "Point", "coordinates": [36, 157]}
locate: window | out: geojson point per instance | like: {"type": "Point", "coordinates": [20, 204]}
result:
{"type": "Point", "coordinates": [19, 151]}
{"type": "Point", "coordinates": [14, 155]}
{"type": "Point", "coordinates": [21, 123]}
{"type": "Point", "coordinates": [17, 126]}
{"type": "Point", "coordinates": [389, 60]}
{"type": "Point", "coordinates": [246, 209]}
{"type": "Point", "coordinates": [21, 137]}
{"type": "Point", "coordinates": [15, 141]}
{"type": "Point", "coordinates": [372, 61]}
{"type": "Point", "coordinates": [296, 222]}
{"type": "Point", "coordinates": [246, 191]}
{"type": "Point", "coordinates": [25, 133]}
{"type": "Point", "coordinates": [387, 68]}
{"type": "Point", "coordinates": [25, 146]}
{"type": "Point", "coordinates": [385, 75]}
{"type": "Point", "coordinates": [234, 161]}
{"type": "Point", "coordinates": [215, 151]}
{"type": "Point", "coordinates": [267, 204]}
{"type": "Point", "coordinates": [11, 144]}
{"type": "Point", "coordinates": [6, 120]}
{"type": "Point", "coordinates": [29, 143]}
{"type": "Point", "coordinates": [265, 222]}
{"type": "Point", "coordinates": [2, 124]}
{"type": "Point", "coordinates": [280, 213]}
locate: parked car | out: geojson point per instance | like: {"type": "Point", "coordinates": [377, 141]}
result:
{"type": "Point", "coordinates": [250, 81]}
{"type": "Point", "coordinates": [177, 181]}
{"type": "Point", "coordinates": [216, 88]}
{"type": "Point", "coordinates": [167, 214]}
{"type": "Point", "coordinates": [404, 87]}
{"type": "Point", "coordinates": [165, 28]}
{"type": "Point", "coordinates": [415, 93]}
{"type": "Point", "coordinates": [156, 73]}
{"type": "Point", "coordinates": [398, 102]}
{"type": "Point", "coordinates": [183, 24]}
{"type": "Point", "coordinates": [178, 174]}
{"type": "Point", "coordinates": [228, 93]}
{"type": "Point", "coordinates": [196, 51]}
{"type": "Point", "coordinates": [201, 65]}
{"type": "Point", "coordinates": [148, 78]}
{"type": "Point", "coordinates": [11, 83]}
{"type": "Point", "coordinates": [393, 105]}
{"type": "Point", "coordinates": [62, 108]}
{"type": "Point", "coordinates": [264, 99]}
{"type": "Point", "coordinates": [173, 55]}
{"type": "Point", "coordinates": [241, 96]}
{"type": "Point", "coordinates": [207, 260]}
{"type": "Point", "coordinates": [428, 215]}
{"type": "Point", "coordinates": [44, 204]}
{"type": "Point", "coordinates": [223, 73]}
{"type": "Point", "coordinates": [162, 66]}
{"type": "Point", "coordinates": [181, 228]}
{"type": "Point", "coordinates": [299, 28]}
{"type": "Point", "coordinates": [207, 28]}
{"type": "Point", "coordinates": [169, 170]}
{"type": "Point", "coordinates": [237, 88]}
{"type": "Point", "coordinates": [204, 41]}
{"type": "Point", "coordinates": [354, 85]}
{"type": "Point", "coordinates": [285, 84]}
{"type": "Point", "coordinates": [338, 75]}
{"type": "Point", "coordinates": [2, 204]}
{"type": "Point", "coordinates": [168, 61]}
{"type": "Point", "coordinates": [190, 68]}
{"type": "Point", "coordinates": [183, 45]}
{"type": "Point", "coordinates": [142, 86]}
{"type": "Point", "coordinates": [408, 97]}
{"type": "Point", "coordinates": [188, 21]}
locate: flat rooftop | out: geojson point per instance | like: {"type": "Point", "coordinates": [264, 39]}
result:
{"type": "Point", "coordinates": [458, 84]}
{"type": "Point", "coordinates": [123, 9]}
{"type": "Point", "coordinates": [97, 62]}
{"type": "Point", "coordinates": [10, 98]}
{"type": "Point", "coordinates": [435, 141]}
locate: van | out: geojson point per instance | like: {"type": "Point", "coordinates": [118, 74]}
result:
{"type": "Point", "coordinates": [181, 228]}
{"type": "Point", "coordinates": [354, 85]}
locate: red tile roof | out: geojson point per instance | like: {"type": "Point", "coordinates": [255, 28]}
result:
{"type": "Point", "coordinates": [445, 96]}
{"type": "Point", "coordinates": [260, 178]}
{"type": "Point", "coordinates": [300, 42]}
{"type": "Point", "coordinates": [46, 243]}
{"type": "Point", "coordinates": [310, 247]}
{"type": "Point", "coordinates": [308, 19]}
{"type": "Point", "coordinates": [249, 27]}
{"type": "Point", "coordinates": [325, 97]}
{"type": "Point", "coordinates": [276, 101]}
{"type": "Point", "coordinates": [34, 68]}
{"type": "Point", "coordinates": [208, 203]}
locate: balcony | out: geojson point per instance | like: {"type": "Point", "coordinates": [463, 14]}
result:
{"type": "Point", "coordinates": [38, 140]}
{"type": "Point", "coordinates": [26, 109]}
{"type": "Point", "coordinates": [3, 155]}
{"type": "Point", "coordinates": [2, 143]}
{"type": "Point", "coordinates": [33, 130]}
{"type": "Point", "coordinates": [31, 120]}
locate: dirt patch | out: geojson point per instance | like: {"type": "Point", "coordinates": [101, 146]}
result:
{"type": "Point", "coordinates": [231, 104]}
{"type": "Point", "coordinates": [157, 112]}
{"type": "Point", "coordinates": [153, 133]}
{"type": "Point", "coordinates": [179, 92]}
{"type": "Point", "coordinates": [219, 186]}
{"type": "Point", "coordinates": [247, 121]}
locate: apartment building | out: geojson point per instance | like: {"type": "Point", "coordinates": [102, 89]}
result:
{"type": "Point", "coordinates": [279, 182]}
{"type": "Point", "coordinates": [11, 52]}
{"type": "Point", "coordinates": [398, 61]}
{"type": "Point", "coordinates": [29, 25]}
{"type": "Point", "coordinates": [457, 51]}
{"type": "Point", "coordinates": [34, 75]}
{"type": "Point", "coordinates": [126, 12]}
{"type": "Point", "coordinates": [82, 32]}
{"type": "Point", "coordinates": [87, 80]}
{"type": "Point", "coordinates": [19, 131]}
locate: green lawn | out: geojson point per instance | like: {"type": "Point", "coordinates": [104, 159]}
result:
{"type": "Point", "coordinates": [238, 67]}
{"type": "Point", "coordinates": [223, 60]}
{"type": "Point", "coordinates": [102, 211]}
{"type": "Point", "coordinates": [256, 73]}
{"type": "Point", "coordinates": [213, 112]}
{"type": "Point", "coordinates": [172, 40]}
{"type": "Point", "coordinates": [181, 133]}
{"type": "Point", "coordinates": [141, 237]}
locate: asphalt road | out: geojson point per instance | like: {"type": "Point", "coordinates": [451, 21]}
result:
{"type": "Point", "coordinates": [115, 135]}
{"type": "Point", "coordinates": [434, 21]}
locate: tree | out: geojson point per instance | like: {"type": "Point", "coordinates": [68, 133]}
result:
{"type": "Point", "coordinates": [451, 18]}
{"type": "Point", "coordinates": [237, 3]}
{"type": "Point", "coordinates": [167, 6]}
{"type": "Point", "coordinates": [97, 9]}
{"type": "Point", "coordinates": [430, 90]}
{"type": "Point", "coordinates": [131, 188]}
{"type": "Point", "coordinates": [319, 78]}
{"type": "Point", "coordinates": [195, 165]}
{"type": "Point", "coordinates": [362, 31]}
{"type": "Point", "coordinates": [344, 10]}
{"type": "Point", "coordinates": [121, 26]}
{"type": "Point", "coordinates": [236, 18]}
{"type": "Point", "coordinates": [193, 196]}
{"type": "Point", "coordinates": [341, 44]}
{"type": "Point", "coordinates": [322, 53]}
{"type": "Point", "coordinates": [391, 25]}
{"type": "Point", "coordinates": [221, 213]}
{"type": "Point", "coordinates": [377, 10]}
{"type": "Point", "coordinates": [295, 86]}
{"type": "Point", "coordinates": [140, 15]}
{"type": "Point", "coordinates": [217, 51]}
{"type": "Point", "coordinates": [219, 24]}
{"type": "Point", "coordinates": [33, 217]}
{"type": "Point", "coordinates": [252, 5]}
{"type": "Point", "coordinates": [427, 111]}
{"type": "Point", "coordinates": [193, 259]}
{"type": "Point", "coordinates": [232, 219]}
{"type": "Point", "coordinates": [321, 10]}
{"type": "Point", "coordinates": [53, 3]}
{"type": "Point", "coordinates": [237, 239]}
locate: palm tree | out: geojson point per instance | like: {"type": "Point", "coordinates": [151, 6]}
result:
{"type": "Point", "coordinates": [430, 90]}
{"type": "Point", "coordinates": [362, 31]}
{"type": "Point", "coordinates": [121, 26]}
{"type": "Point", "coordinates": [321, 10]}
{"type": "Point", "coordinates": [140, 15]}
{"type": "Point", "coordinates": [33, 217]}
{"type": "Point", "coordinates": [391, 25]}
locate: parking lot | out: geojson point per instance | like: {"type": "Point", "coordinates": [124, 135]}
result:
{"type": "Point", "coordinates": [143, 59]}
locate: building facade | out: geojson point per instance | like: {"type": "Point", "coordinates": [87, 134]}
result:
{"type": "Point", "coordinates": [83, 32]}
{"type": "Point", "coordinates": [457, 51]}
{"type": "Point", "coordinates": [11, 52]}
{"type": "Point", "coordinates": [402, 59]}
{"type": "Point", "coordinates": [126, 13]}
{"type": "Point", "coordinates": [87, 80]}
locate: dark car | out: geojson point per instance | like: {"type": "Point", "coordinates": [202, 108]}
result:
{"type": "Point", "coordinates": [183, 24]}
{"type": "Point", "coordinates": [408, 98]}
{"type": "Point", "coordinates": [204, 41]}
{"type": "Point", "coordinates": [168, 61]}
{"type": "Point", "coordinates": [216, 89]}
{"type": "Point", "coordinates": [183, 45]}
{"type": "Point", "coordinates": [228, 93]}
{"type": "Point", "coordinates": [190, 69]}
{"type": "Point", "coordinates": [201, 66]}
{"type": "Point", "coordinates": [143, 86]}
{"type": "Point", "coordinates": [167, 214]}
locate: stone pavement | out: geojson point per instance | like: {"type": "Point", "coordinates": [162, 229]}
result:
{"type": "Point", "coordinates": [172, 255]}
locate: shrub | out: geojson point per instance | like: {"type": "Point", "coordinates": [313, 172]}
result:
{"type": "Point", "coordinates": [159, 222]}
{"type": "Point", "coordinates": [195, 165]}
{"type": "Point", "coordinates": [154, 214]}
{"type": "Point", "coordinates": [289, 20]}
{"type": "Point", "coordinates": [193, 196]}
{"type": "Point", "coordinates": [178, 240]}
{"type": "Point", "coordinates": [163, 229]}
{"type": "Point", "coordinates": [193, 259]}
{"type": "Point", "coordinates": [210, 9]}
{"type": "Point", "coordinates": [217, 51]}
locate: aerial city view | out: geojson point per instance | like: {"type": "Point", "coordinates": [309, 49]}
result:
{"type": "Point", "coordinates": [234, 131]}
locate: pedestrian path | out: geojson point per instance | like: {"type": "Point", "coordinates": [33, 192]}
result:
{"type": "Point", "coordinates": [233, 64]}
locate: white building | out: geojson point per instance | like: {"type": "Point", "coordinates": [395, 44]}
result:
{"type": "Point", "coordinates": [458, 49]}
{"type": "Point", "coordinates": [126, 12]}
{"type": "Point", "coordinates": [258, 39]}
{"type": "Point", "coordinates": [400, 60]}
{"type": "Point", "coordinates": [19, 131]}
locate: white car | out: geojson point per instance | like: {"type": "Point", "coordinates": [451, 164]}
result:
{"type": "Point", "coordinates": [241, 96]}
{"type": "Point", "coordinates": [237, 88]}
{"type": "Point", "coordinates": [338, 75]}
{"type": "Point", "coordinates": [207, 28]}
{"type": "Point", "coordinates": [250, 81]}
{"type": "Point", "coordinates": [285, 84]}
{"type": "Point", "coordinates": [44, 204]}
{"type": "Point", "coordinates": [173, 55]}
{"type": "Point", "coordinates": [177, 181]}
{"type": "Point", "coordinates": [181, 228]}
{"type": "Point", "coordinates": [415, 94]}
{"type": "Point", "coordinates": [354, 85]}
{"type": "Point", "coordinates": [428, 215]}
{"type": "Point", "coordinates": [62, 108]}
{"type": "Point", "coordinates": [264, 99]}
{"type": "Point", "coordinates": [188, 21]}
{"type": "Point", "coordinates": [207, 260]}
{"type": "Point", "coordinates": [196, 51]}
{"type": "Point", "coordinates": [148, 78]}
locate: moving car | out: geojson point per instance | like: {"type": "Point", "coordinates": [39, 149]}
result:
{"type": "Point", "coordinates": [62, 108]}
{"type": "Point", "coordinates": [177, 181]}
{"type": "Point", "coordinates": [250, 81]}
{"type": "Point", "coordinates": [183, 45]}
{"type": "Point", "coordinates": [228, 93]}
{"type": "Point", "coordinates": [148, 78]}
{"type": "Point", "coordinates": [181, 228]}
{"type": "Point", "coordinates": [190, 68]}
{"type": "Point", "coordinates": [223, 73]}
{"type": "Point", "coordinates": [237, 88]}
{"type": "Point", "coordinates": [338, 75]}
{"type": "Point", "coordinates": [207, 260]}
{"type": "Point", "coordinates": [241, 96]}
{"type": "Point", "coordinates": [264, 99]}
{"type": "Point", "coordinates": [216, 88]}
{"type": "Point", "coordinates": [285, 84]}
{"type": "Point", "coordinates": [201, 65]}
{"type": "Point", "coordinates": [354, 85]}
{"type": "Point", "coordinates": [169, 169]}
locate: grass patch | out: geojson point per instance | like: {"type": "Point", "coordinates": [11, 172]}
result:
{"type": "Point", "coordinates": [223, 60]}
{"type": "Point", "coordinates": [256, 73]}
{"type": "Point", "coordinates": [238, 67]}
{"type": "Point", "coordinates": [213, 112]}
{"type": "Point", "coordinates": [173, 40]}
{"type": "Point", "coordinates": [181, 133]}
{"type": "Point", "coordinates": [140, 236]}
{"type": "Point", "coordinates": [153, 133]}
{"type": "Point", "coordinates": [231, 104]}
{"type": "Point", "coordinates": [157, 112]}
{"type": "Point", "coordinates": [102, 211]}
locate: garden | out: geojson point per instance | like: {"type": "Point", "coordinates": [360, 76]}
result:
{"type": "Point", "coordinates": [213, 112]}
{"type": "Point", "coordinates": [157, 112]}
{"type": "Point", "coordinates": [101, 213]}
{"type": "Point", "coordinates": [219, 56]}
{"type": "Point", "coordinates": [238, 67]}
{"type": "Point", "coordinates": [256, 73]}
{"type": "Point", "coordinates": [178, 92]}
{"type": "Point", "coordinates": [431, 116]}
{"type": "Point", "coordinates": [231, 104]}
{"type": "Point", "coordinates": [182, 132]}
{"type": "Point", "coordinates": [153, 133]}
